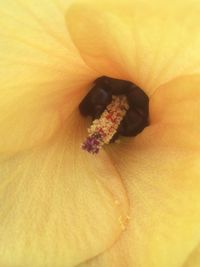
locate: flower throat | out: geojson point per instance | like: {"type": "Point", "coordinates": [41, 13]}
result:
{"type": "Point", "coordinates": [117, 107]}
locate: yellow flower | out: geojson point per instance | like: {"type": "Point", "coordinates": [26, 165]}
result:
{"type": "Point", "coordinates": [61, 206]}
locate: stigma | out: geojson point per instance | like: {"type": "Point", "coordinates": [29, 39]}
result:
{"type": "Point", "coordinates": [103, 129]}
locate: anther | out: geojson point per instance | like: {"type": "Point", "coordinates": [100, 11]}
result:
{"type": "Point", "coordinates": [103, 129]}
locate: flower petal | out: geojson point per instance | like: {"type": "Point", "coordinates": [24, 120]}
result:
{"type": "Point", "coordinates": [194, 258]}
{"type": "Point", "coordinates": [175, 109]}
{"type": "Point", "coordinates": [161, 170]}
{"type": "Point", "coordinates": [42, 75]}
{"type": "Point", "coordinates": [59, 205]}
{"type": "Point", "coordinates": [138, 40]}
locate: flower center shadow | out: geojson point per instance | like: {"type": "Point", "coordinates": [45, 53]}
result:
{"type": "Point", "coordinates": [117, 108]}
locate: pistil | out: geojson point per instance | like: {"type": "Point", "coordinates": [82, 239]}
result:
{"type": "Point", "coordinates": [103, 129]}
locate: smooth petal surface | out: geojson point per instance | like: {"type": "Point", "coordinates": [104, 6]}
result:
{"type": "Point", "coordinates": [148, 42]}
{"type": "Point", "coordinates": [59, 205]}
{"type": "Point", "coordinates": [194, 258]}
{"type": "Point", "coordinates": [161, 170]}
{"type": "Point", "coordinates": [41, 74]}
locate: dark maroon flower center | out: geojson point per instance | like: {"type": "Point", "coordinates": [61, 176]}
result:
{"type": "Point", "coordinates": [100, 96]}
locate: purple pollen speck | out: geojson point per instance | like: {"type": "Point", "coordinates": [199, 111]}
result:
{"type": "Point", "coordinates": [92, 143]}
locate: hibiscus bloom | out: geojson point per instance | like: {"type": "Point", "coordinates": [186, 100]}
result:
{"type": "Point", "coordinates": [136, 203]}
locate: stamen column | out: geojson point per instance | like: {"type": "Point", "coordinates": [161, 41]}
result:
{"type": "Point", "coordinates": [103, 129]}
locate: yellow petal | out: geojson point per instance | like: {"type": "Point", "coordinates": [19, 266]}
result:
{"type": "Point", "coordinates": [161, 171]}
{"type": "Point", "coordinates": [194, 258]}
{"type": "Point", "coordinates": [42, 76]}
{"type": "Point", "coordinates": [175, 108]}
{"type": "Point", "coordinates": [59, 205]}
{"type": "Point", "coordinates": [148, 42]}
